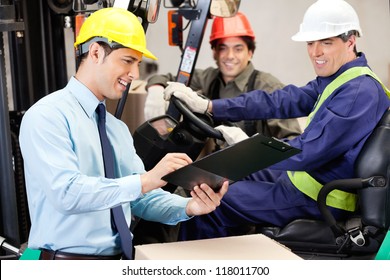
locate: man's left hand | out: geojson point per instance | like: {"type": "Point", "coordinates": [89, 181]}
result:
{"type": "Point", "coordinates": [205, 200]}
{"type": "Point", "coordinates": [190, 98]}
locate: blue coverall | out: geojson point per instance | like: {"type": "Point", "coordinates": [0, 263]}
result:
{"type": "Point", "coordinates": [330, 145]}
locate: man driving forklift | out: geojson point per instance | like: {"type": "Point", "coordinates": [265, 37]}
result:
{"type": "Point", "coordinates": [343, 103]}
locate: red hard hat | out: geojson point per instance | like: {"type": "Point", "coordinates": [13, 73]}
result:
{"type": "Point", "coordinates": [236, 26]}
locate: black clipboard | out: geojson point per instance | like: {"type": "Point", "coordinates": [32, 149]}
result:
{"type": "Point", "coordinates": [232, 163]}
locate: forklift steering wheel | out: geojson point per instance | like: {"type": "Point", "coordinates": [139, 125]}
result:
{"type": "Point", "coordinates": [203, 126]}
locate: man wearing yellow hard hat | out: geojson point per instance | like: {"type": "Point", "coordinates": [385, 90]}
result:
{"type": "Point", "coordinates": [68, 158]}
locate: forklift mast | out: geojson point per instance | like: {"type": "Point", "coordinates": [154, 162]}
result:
{"type": "Point", "coordinates": [198, 17]}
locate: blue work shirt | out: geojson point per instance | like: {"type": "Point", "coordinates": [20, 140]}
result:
{"type": "Point", "coordinates": [69, 199]}
{"type": "Point", "coordinates": [335, 136]}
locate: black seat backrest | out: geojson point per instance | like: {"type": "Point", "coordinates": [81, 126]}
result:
{"type": "Point", "coordinates": [374, 160]}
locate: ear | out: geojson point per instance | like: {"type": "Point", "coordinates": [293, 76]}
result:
{"type": "Point", "coordinates": [351, 42]}
{"type": "Point", "coordinates": [95, 52]}
{"type": "Point", "coordinates": [250, 54]}
{"type": "Point", "coordinates": [215, 54]}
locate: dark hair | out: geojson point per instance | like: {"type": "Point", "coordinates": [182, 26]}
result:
{"type": "Point", "coordinates": [106, 47]}
{"type": "Point", "coordinates": [345, 37]}
{"type": "Point", "coordinates": [250, 43]}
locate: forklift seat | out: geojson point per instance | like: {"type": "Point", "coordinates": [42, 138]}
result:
{"type": "Point", "coordinates": [361, 235]}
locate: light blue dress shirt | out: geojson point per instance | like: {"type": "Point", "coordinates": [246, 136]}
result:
{"type": "Point", "coordinates": [69, 198]}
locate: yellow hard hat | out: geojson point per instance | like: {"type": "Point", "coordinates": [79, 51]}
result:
{"type": "Point", "coordinates": [114, 25]}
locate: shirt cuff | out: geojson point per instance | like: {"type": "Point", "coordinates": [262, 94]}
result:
{"type": "Point", "coordinates": [130, 186]}
{"type": "Point", "coordinates": [183, 203]}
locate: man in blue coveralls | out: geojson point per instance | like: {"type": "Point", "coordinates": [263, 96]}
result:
{"type": "Point", "coordinates": [343, 104]}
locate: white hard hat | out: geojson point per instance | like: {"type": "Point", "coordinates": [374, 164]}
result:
{"type": "Point", "coordinates": [326, 19]}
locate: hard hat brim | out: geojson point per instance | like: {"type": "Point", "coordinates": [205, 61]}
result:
{"type": "Point", "coordinates": [148, 54]}
{"type": "Point", "coordinates": [312, 36]}
{"type": "Point", "coordinates": [315, 36]}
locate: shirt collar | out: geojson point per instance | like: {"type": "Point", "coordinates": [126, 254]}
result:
{"type": "Point", "coordinates": [242, 79]}
{"type": "Point", "coordinates": [87, 100]}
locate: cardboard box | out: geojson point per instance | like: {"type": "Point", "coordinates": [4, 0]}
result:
{"type": "Point", "coordinates": [247, 247]}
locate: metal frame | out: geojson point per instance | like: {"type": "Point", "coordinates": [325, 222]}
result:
{"type": "Point", "coordinates": [198, 17]}
{"type": "Point", "coordinates": [9, 226]}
